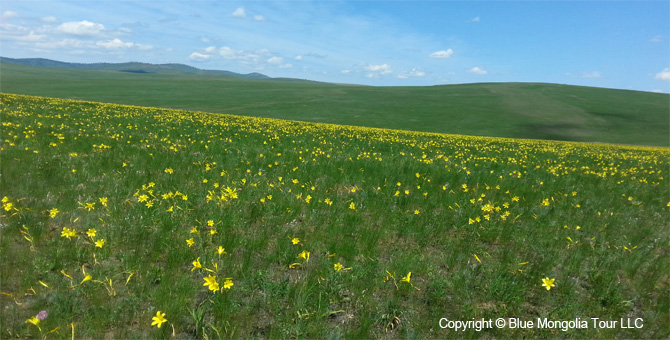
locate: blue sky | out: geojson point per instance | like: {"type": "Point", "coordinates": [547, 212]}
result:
{"type": "Point", "coordinates": [614, 44]}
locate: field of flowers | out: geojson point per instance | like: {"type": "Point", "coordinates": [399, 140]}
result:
{"type": "Point", "coordinates": [132, 222]}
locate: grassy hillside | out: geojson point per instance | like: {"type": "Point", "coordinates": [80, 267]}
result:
{"type": "Point", "coordinates": [515, 110]}
{"type": "Point", "coordinates": [129, 67]}
{"type": "Point", "coordinates": [116, 218]}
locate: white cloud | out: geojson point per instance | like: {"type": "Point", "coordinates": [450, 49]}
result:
{"type": "Point", "coordinates": [8, 15]}
{"type": "Point", "coordinates": [31, 37]}
{"type": "Point", "coordinates": [663, 75]}
{"type": "Point", "coordinates": [657, 91]}
{"type": "Point", "coordinates": [442, 54]}
{"type": "Point", "coordinates": [259, 18]}
{"type": "Point", "coordinates": [413, 73]}
{"type": "Point", "coordinates": [233, 54]}
{"type": "Point", "coordinates": [478, 70]}
{"type": "Point", "coordinates": [114, 44]}
{"type": "Point", "coordinates": [594, 74]}
{"type": "Point", "coordinates": [345, 71]}
{"type": "Point", "coordinates": [657, 39]}
{"type": "Point", "coordinates": [380, 69]}
{"type": "Point", "coordinates": [316, 55]}
{"type": "Point", "coordinates": [275, 60]}
{"type": "Point", "coordinates": [12, 29]}
{"type": "Point", "coordinates": [118, 43]}
{"type": "Point", "coordinates": [417, 73]}
{"type": "Point", "coordinates": [50, 19]}
{"type": "Point", "coordinates": [20, 33]}
{"type": "Point", "coordinates": [301, 57]}
{"type": "Point", "coordinates": [196, 56]}
{"type": "Point", "coordinates": [65, 43]}
{"type": "Point", "coordinates": [239, 13]}
{"type": "Point", "coordinates": [81, 28]}
{"type": "Point", "coordinates": [591, 75]}
{"type": "Point", "coordinates": [475, 19]}
{"type": "Point", "coordinates": [256, 58]}
{"type": "Point", "coordinates": [210, 49]}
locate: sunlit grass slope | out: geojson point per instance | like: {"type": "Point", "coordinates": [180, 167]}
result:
{"type": "Point", "coordinates": [238, 227]}
{"type": "Point", "coordinates": [515, 110]}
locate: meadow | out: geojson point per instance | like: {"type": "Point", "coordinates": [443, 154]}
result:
{"type": "Point", "coordinates": [136, 222]}
{"type": "Point", "coordinates": [510, 110]}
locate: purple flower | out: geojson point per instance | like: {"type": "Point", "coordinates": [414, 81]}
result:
{"type": "Point", "coordinates": [42, 315]}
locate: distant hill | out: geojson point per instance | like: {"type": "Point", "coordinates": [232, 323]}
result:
{"type": "Point", "coordinates": [130, 67]}
{"type": "Point", "coordinates": [514, 110]}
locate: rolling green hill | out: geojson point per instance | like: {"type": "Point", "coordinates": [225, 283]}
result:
{"type": "Point", "coordinates": [515, 110]}
{"type": "Point", "coordinates": [129, 67]}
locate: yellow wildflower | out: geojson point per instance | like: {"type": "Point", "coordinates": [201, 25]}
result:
{"type": "Point", "coordinates": [210, 281]}
{"type": "Point", "coordinates": [68, 233]}
{"type": "Point", "coordinates": [548, 283]}
{"type": "Point", "coordinates": [88, 206]}
{"type": "Point", "coordinates": [228, 283]}
{"type": "Point", "coordinates": [304, 255]}
{"type": "Point", "coordinates": [34, 321]}
{"type": "Point", "coordinates": [196, 264]}
{"type": "Point", "coordinates": [159, 319]}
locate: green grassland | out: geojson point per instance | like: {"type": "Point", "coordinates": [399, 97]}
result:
{"type": "Point", "coordinates": [129, 67]}
{"type": "Point", "coordinates": [513, 110]}
{"type": "Point", "coordinates": [112, 213]}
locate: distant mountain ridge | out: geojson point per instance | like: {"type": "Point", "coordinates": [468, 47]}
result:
{"type": "Point", "coordinates": [129, 67]}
